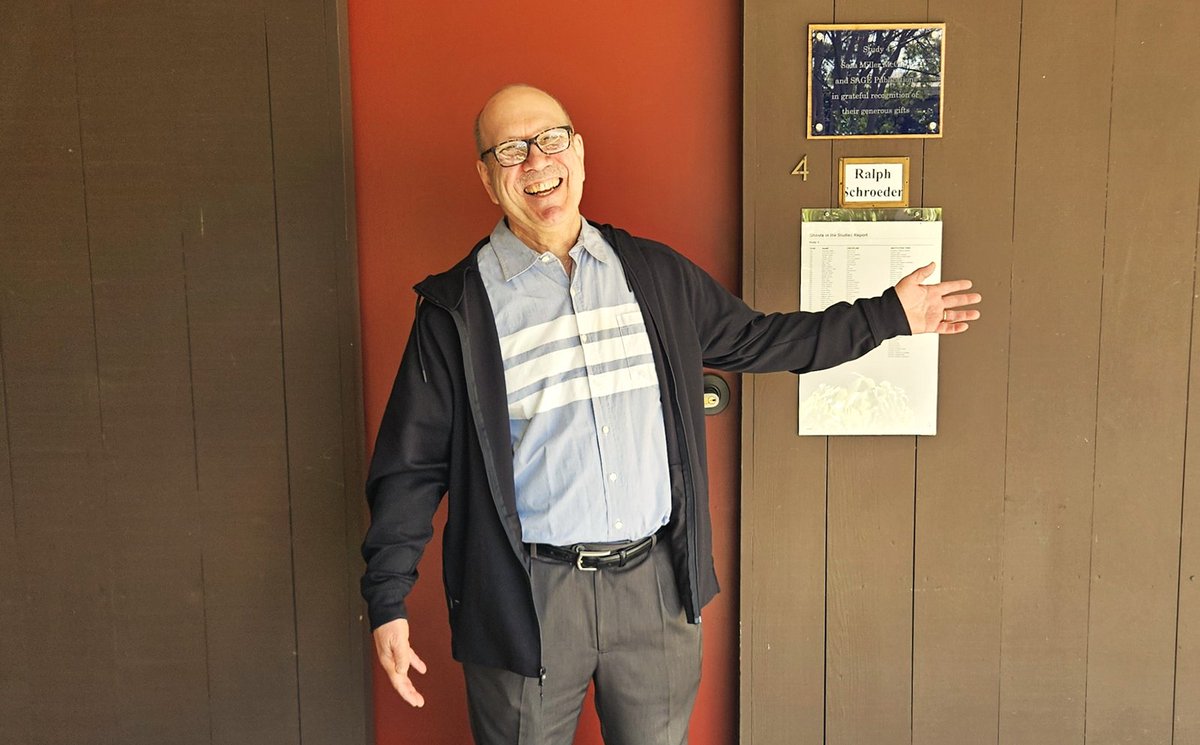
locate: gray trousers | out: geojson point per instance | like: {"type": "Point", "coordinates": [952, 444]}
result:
{"type": "Point", "coordinates": [624, 628]}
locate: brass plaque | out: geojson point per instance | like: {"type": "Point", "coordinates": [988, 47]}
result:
{"type": "Point", "coordinates": [876, 80]}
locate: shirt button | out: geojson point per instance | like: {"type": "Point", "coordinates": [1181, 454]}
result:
{"type": "Point", "coordinates": [612, 477]}
{"type": "Point", "coordinates": [583, 337]}
{"type": "Point", "coordinates": [618, 525]}
{"type": "Point", "coordinates": [605, 429]}
{"type": "Point", "coordinates": [546, 258]}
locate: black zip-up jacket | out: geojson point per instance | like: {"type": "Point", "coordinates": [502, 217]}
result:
{"type": "Point", "coordinates": [446, 430]}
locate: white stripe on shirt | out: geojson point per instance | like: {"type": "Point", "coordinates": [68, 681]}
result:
{"type": "Point", "coordinates": [564, 327]}
{"type": "Point", "coordinates": [562, 361]}
{"type": "Point", "coordinates": [582, 388]}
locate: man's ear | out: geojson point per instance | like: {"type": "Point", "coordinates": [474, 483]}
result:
{"type": "Point", "coordinates": [486, 178]}
{"type": "Point", "coordinates": [579, 144]}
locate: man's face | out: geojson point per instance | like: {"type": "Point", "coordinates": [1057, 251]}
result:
{"type": "Point", "coordinates": [540, 197]}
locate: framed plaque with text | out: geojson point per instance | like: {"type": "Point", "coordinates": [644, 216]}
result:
{"type": "Point", "coordinates": [875, 80]}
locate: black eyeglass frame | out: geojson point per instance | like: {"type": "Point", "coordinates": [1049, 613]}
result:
{"type": "Point", "coordinates": [530, 142]}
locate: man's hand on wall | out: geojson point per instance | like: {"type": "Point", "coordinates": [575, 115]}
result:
{"type": "Point", "coordinates": [933, 308]}
{"type": "Point", "coordinates": [391, 644]}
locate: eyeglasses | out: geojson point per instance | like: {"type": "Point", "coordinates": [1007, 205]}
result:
{"type": "Point", "coordinates": [514, 152]}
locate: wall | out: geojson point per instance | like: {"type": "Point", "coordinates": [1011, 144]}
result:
{"type": "Point", "coordinates": [1032, 573]}
{"type": "Point", "coordinates": [654, 89]}
{"type": "Point", "coordinates": [180, 430]}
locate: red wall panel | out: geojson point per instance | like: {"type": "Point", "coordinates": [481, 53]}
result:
{"type": "Point", "coordinates": [655, 90]}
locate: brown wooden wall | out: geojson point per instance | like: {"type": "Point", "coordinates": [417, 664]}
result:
{"type": "Point", "coordinates": [1032, 573]}
{"type": "Point", "coordinates": [180, 418]}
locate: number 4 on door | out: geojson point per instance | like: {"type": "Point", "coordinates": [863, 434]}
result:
{"type": "Point", "coordinates": [801, 168]}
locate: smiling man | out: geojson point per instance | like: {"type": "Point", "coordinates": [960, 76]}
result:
{"type": "Point", "coordinates": [552, 388]}
{"type": "Point", "coordinates": [540, 199]}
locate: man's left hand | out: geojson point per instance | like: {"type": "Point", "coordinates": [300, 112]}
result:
{"type": "Point", "coordinates": [935, 308]}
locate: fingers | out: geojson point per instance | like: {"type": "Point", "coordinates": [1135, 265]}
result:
{"type": "Point", "coordinates": [955, 321]}
{"type": "Point", "coordinates": [953, 316]}
{"type": "Point", "coordinates": [396, 657]}
{"type": "Point", "coordinates": [955, 301]}
{"type": "Point", "coordinates": [920, 274]}
{"type": "Point", "coordinates": [407, 690]}
{"type": "Point", "coordinates": [419, 665]}
{"type": "Point", "coordinates": [953, 285]}
{"type": "Point", "coordinates": [398, 674]}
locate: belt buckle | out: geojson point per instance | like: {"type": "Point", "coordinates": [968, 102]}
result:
{"type": "Point", "coordinates": [581, 554]}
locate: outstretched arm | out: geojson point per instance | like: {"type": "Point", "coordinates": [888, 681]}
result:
{"type": "Point", "coordinates": [935, 308]}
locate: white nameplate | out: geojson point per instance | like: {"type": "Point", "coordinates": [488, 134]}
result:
{"type": "Point", "coordinates": [873, 182]}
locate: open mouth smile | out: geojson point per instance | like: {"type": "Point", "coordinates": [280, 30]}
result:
{"type": "Point", "coordinates": [543, 188]}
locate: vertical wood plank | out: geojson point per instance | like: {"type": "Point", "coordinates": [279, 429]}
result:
{"type": "Point", "coordinates": [14, 685]}
{"type": "Point", "coordinates": [308, 218]}
{"type": "Point", "coordinates": [871, 519]}
{"type": "Point", "coordinates": [869, 569]}
{"type": "Point", "coordinates": [360, 648]}
{"type": "Point", "coordinates": [1186, 723]}
{"type": "Point", "coordinates": [1144, 357]}
{"type": "Point", "coordinates": [1064, 88]}
{"type": "Point", "coordinates": [869, 575]}
{"type": "Point", "coordinates": [751, 69]}
{"type": "Point", "coordinates": [52, 397]}
{"type": "Point", "coordinates": [789, 554]}
{"type": "Point", "coordinates": [233, 293]}
{"type": "Point", "coordinates": [128, 105]}
{"type": "Point", "coordinates": [960, 473]}
{"type": "Point", "coordinates": [783, 559]}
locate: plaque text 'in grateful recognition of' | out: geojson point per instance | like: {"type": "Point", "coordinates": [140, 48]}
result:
{"type": "Point", "coordinates": [846, 254]}
{"type": "Point", "coordinates": [875, 80]}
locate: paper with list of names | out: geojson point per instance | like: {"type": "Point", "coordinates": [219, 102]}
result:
{"type": "Point", "coordinates": [847, 254]}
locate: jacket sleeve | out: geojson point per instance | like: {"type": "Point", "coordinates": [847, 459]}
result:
{"type": "Point", "coordinates": [409, 468]}
{"type": "Point", "coordinates": [738, 338]}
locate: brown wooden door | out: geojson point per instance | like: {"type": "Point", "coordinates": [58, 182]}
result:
{"type": "Point", "coordinates": [1029, 575]}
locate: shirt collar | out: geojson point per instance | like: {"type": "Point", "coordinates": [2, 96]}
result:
{"type": "Point", "coordinates": [515, 257]}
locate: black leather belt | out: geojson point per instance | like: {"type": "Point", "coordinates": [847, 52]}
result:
{"type": "Point", "coordinates": [589, 560]}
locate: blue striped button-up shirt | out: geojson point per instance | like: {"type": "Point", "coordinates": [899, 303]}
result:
{"type": "Point", "coordinates": [589, 451]}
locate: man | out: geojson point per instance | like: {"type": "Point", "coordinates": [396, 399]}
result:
{"type": "Point", "coordinates": [552, 387]}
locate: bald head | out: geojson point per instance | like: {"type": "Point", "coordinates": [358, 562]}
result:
{"type": "Point", "coordinates": [504, 101]}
